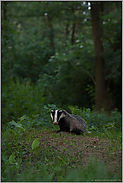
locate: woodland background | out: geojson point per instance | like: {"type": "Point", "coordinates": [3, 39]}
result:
{"type": "Point", "coordinates": [61, 55]}
{"type": "Point", "coordinates": [50, 45]}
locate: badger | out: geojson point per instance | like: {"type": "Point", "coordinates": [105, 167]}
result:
{"type": "Point", "coordinates": [68, 122]}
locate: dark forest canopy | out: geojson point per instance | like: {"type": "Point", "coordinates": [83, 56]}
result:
{"type": "Point", "coordinates": [51, 44]}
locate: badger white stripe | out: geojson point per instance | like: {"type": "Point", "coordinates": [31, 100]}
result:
{"type": "Point", "coordinates": [51, 116]}
{"type": "Point", "coordinates": [56, 115]}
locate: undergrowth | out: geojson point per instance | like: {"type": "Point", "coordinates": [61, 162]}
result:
{"type": "Point", "coordinates": [24, 158]}
{"type": "Point", "coordinates": [33, 151]}
{"type": "Point", "coordinates": [30, 156]}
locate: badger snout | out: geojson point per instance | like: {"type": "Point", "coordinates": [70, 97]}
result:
{"type": "Point", "coordinates": [55, 123]}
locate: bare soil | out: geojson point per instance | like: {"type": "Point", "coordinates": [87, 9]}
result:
{"type": "Point", "coordinates": [83, 147]}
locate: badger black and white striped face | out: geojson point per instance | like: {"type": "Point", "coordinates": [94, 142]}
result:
{"type": "Point", "coordinates": [56, 115]}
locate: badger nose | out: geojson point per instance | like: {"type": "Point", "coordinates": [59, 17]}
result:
{"type": "Point", "coordinates": [55, 123]}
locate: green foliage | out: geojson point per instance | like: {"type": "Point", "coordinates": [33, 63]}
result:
{"type": "Point", "coordinates": [23, 160]}
{"type": "Point", "coordinates": [99, 121]}
{"type": "Point", "coordinates": [36, 46]}
{"type": "Point", "coordinates": [41, 71]}
{"type": "Point", "coordinates": [94, 171]}
{"type": "Point", "coordinates": [69, 72]}
{"type": "Point", "coordinates": [26, 158]}
{"type": "Point", "coordinates": [25, 56]}
{"type": "Point", "coordinates": [17, 125]}
{"type": "Point", "coordinates": [21, 99]}
{"type": "Point", "coordinates": [99, 172]}
{"type": "Point", "coordinates": [112, 52]}
{"type": "Point", "coordinates": [12, 158]}
{"type": "Point", "coordinates": [28, 101]}
{"type": "Point", "coordinates": [35, 144]}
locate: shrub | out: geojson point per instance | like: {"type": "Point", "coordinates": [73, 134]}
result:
{"type": "Point", "coordinates": [19, 99]}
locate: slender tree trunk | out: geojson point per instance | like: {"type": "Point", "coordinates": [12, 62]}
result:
{"type": "Point", "coordinates": [67, 30]}
{"type": "Point", "coordinates": [73, 34]}
{"type": "Point", "coordinates": [77, 21]}
{"type": "Point", "coordinates": [101, 95]}
{"type": "Point", "coordinates": [73, 27]}
{"type": "Point", "coordinates": [4, 24]}
{"type": "Point", "coordinates": [51, 34]}
{"type": "Point", "coordinates": [4, 10]}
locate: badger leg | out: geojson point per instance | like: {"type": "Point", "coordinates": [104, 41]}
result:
{"type": "Point", "coordinates": [81, 132]}
{"type": "Point", "coordinates": [61, 129]}
{"type": "Point", "coordinates": [76, 131]}
{"type": "Point", "coordinates": [71, 130]}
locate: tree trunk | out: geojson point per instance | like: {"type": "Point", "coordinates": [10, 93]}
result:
{"type": "Point", "coordinates": [4, 10]}
{"type": "Point", "coordinates": [73, 34]}
{"type": "Point", "coordinates": [73, 27]}
{"type": "Point", "coordinates": [4, 23]}
{"type": "Point", "coordinates": [51, 34]}
{"type": "Point", "coordinates": [101, 96]}
{"type": "Point", "coordinates": [77, 21]}
{"type": "Point", "coordinates": [67, 30]}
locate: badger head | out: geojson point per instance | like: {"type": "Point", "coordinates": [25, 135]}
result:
{"type": "Point", "coordinates": [56, 115]}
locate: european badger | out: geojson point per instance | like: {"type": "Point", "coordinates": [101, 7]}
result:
{"type": "Point", "coordinates": [68, 122]}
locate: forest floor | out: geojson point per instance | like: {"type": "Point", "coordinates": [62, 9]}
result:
{"type": "Point", "coordinates": [57, 154]}
{"type": "Point", "coordinates": [81, 148]}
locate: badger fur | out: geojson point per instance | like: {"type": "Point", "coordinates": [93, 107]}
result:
{"type": "Point", "coordinates": [68, 122]}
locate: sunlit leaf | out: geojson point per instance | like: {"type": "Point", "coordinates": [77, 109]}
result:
{"type": "Point", "coordinates": [35, 144]}
{"type": "Point", "coordinates": [12, 158]}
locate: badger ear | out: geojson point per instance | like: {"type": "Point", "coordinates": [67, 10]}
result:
{"type": "Point", "coordinates": [51, 116]}
{"type": "Point", "coordinates": [60, 110]}
{"type": "Point", "coordinates": [52, 113]}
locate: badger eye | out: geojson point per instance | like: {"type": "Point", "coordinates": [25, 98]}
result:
{"type": "Point", "coordinates": [60, 111]}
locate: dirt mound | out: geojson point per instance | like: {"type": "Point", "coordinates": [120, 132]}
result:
{"type": "Point", "coordinates": [82, 147]}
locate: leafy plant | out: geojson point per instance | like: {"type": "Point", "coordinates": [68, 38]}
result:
{"type": "Point", "coordinates": [24, 99]}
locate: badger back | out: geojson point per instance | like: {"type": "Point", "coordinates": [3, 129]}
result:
{"type": "Point", "coordinates": [81, 123]}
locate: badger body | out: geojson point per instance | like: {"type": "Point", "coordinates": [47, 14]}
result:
{"type": "Point", "coordinates": [68, 122]}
